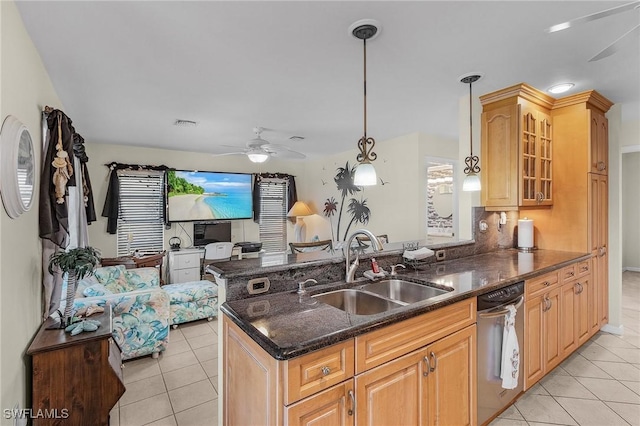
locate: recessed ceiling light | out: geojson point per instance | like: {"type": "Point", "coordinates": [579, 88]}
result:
{"type": "Point", "coordinates": [185, 123]}
{"type": "Point", "coordinates": [560, 88]}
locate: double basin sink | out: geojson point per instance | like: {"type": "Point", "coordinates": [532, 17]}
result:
{"type": "Point", "coordinates": [381, 296]}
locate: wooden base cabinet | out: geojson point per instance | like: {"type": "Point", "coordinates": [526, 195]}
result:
{"type": "Point", "coordinates": [578, 307]}
{"type": "Point", "coordinates": [421, 371]}
{"type": "Point", "coordinates": [542, 325]}
{"type": "Point", "coordinates": [435, 385]}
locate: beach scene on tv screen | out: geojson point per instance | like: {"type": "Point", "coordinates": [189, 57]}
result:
{"type": "Point", "coordinates": [209, 196]}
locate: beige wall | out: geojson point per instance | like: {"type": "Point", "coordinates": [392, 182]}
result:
{"type": "Point", "coordinates": [101, 154]}
{"type": "Point", "coordinates": [25, 90]}
{"type": "Point", "coordinates": [631, 211]}
{"type": "Point", "coordinates": [398, 208]}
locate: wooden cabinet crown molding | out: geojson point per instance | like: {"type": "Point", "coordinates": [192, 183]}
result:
{"type": "Point", "coordinates": [589, 97]}
{"type": "Point", "coordinates": [523, 91]}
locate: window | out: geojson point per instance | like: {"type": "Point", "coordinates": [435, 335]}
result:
{"type": "Point", "coordinates": [273, 214]}
{"type": "Point", "coordinates": [141, 219]}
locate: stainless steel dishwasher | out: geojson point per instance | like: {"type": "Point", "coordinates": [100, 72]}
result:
{"type": "Point", "coordinates": [492, 398]}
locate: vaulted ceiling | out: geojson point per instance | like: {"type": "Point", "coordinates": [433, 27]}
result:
{"type": "Point", "coordinates": [125, 71]}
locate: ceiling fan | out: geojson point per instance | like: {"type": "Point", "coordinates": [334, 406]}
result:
{"type": "Point", "coordinates": [613, 47]}
{"type": "Point", "coordinates": [259, 150]}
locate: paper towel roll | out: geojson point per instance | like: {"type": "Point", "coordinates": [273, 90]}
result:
{"type": "Point", "coordinates": [525, 233]}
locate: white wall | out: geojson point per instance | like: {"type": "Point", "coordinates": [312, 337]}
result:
{"type": "Point", "coordinates": [631, 211]}
{"type": "Point", "coordinates": [101, 154]}
{"type": "Point", "coordinates": [25, 89]}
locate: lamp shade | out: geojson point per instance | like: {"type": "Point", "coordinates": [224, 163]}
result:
{"type": "Point", "coordinates": [471, 183]}
{"type": "Point", "coordinates": [365, 175]}
{"type": "Point", "coordinates": [299, 209]}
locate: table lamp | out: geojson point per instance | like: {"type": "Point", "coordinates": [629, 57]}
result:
{"type": "Point", "coordinates": [299, 210]}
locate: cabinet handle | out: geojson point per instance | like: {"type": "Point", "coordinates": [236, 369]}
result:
{"type": "Point", "coordinates": [427, 368]}
{"type": "Point", "coordinates": [581, 287]}
{"type": "Point", "coordinates": [353, 402]}
{"type": "Point", "coordinates": [584, 268]}
{"type": "Point", "coordinates": [547, 303]}
{"type": "Point", "coordinates": [602, 251]}
{"type": "Point", "coordinates": [546, 283]}
{"type": "Point", "coordinates": [571, 274]}
{"type": "Point", "coordinates": [578, 288]}
{"type": "Point", "coordinates": [601, 166]}
{"type": "Point", "coordinates": [325, 370]}
{"type": "Point", "coordinates": [539, 197]}
{"type": "Point", "coordinates": [435, 362]}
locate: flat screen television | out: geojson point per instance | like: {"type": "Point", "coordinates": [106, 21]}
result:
{"type": "Point", "coordinates": [211, 232]}
{"type": "Point", "coordinates": [208, 196]}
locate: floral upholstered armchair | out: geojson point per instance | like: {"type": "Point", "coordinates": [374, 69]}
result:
{"type": "Point", "coordinates": [140, 307]}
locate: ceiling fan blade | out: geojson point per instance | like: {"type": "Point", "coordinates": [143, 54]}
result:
{"type": "Point", "coordinates": [220, 154]}
{"type": "Point", "coordinates": [283, 151]}
{"type": "Point", "coordinates": [613, 47]}
{"type": "Point", "coordinates": [593, 16]}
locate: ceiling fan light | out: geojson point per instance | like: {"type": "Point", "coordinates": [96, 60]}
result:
{"type": "Point", "coordinates": [257, 157]}
{"type": "Point", "coordinates": [365, 175]}
{"type": "Point", "coordinates": [560, 88]}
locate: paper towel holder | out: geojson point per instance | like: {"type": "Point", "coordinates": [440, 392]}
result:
{"type": "Point", "coordinates": [526, 249]}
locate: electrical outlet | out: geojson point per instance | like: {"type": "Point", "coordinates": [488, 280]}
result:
{"type": "Point", "coordinates": [440, 255]}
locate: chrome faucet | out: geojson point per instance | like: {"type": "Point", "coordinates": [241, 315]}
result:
{"type": "Point", "coordinates": [350, 269]}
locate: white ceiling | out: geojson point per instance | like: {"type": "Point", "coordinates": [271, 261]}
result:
{"type": "Point", "coordinates": [125, 71]}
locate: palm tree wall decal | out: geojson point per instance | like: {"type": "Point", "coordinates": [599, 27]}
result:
{"type": "Point", "coordinates": [359, 211]}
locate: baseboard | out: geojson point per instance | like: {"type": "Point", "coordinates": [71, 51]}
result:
{"type": "Point", "coordinates": [613, 329]}
{"type": "Point", "coordinates": [631, 268]}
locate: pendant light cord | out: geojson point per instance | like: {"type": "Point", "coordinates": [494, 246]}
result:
{"type": "Point", "coordinates": [365, 87]}
{"type": "Point", "coordinates": [470, 120]}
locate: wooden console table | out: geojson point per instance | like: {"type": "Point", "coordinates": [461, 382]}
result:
{"type": "Point", "coordinates": [76, 378]}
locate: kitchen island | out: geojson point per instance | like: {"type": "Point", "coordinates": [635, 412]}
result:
{"type": "Point", "coordinates": [299, 352]}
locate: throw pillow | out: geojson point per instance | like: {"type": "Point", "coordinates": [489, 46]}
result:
{"type": "Point", "coordinates": [84, 283]}
{"type": "Point", "coordinates": [96, 290]}
{"type": "Point", "coordinates": [113, 278]}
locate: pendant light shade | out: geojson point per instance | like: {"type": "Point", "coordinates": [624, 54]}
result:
{"type": "Point", "coordinates": [471, 181]}
{"type": "Point", "coordinates": [257, 156]}
{"type": "Point", "coordinates": [365, 174]}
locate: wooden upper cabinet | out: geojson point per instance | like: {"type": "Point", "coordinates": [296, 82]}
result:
{"type": "Point", "coordinates": [599, 135]}
{"type": "Point", "coordinates": [517, 149]}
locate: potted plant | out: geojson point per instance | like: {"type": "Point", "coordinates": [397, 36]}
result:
{"type": "Point", "coordinates": [77, 263]}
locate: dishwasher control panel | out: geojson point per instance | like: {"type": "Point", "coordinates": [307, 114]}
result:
{"type": "Point", "coordinates": [501, 296]}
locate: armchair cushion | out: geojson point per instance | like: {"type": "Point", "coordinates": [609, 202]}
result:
{"type": "Point", "coordinates": [141, 278]}
{"type": "Point", "coordinates": [113, 278]}
{"type": "Point", "coordinates": [96, 290]}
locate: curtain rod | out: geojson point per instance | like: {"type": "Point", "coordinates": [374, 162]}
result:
{"type": "Point", "coordinates": [121, 166]}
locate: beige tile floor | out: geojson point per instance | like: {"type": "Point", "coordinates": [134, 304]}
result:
{"type": "Point", "coordinates": [598, 385]}
{"type": "Point", "coordinates": [179, 388]}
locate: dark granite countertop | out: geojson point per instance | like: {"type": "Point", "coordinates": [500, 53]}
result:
{"type": "Point", "coordinates": [274, 262]}
{"type": "Point", "coordinates": [288, 325]}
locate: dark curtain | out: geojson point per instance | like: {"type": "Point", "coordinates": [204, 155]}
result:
{"type": "Point", "coordinates": [64, 144]}
{"type": "Point", "coordinates": [111, 207]}
{"type": "Point", "coordinates": [292, 193]}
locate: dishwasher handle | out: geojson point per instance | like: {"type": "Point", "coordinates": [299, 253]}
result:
{"type": "Point", "coordinates": [495, 314]}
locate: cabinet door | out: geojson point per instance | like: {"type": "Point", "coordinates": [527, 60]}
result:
{"type": "Point", "coordinates": [599, 134]}
{"type": "Point", "coordinates": [451, 391]}
{"type": "Point", "coordinates": [569, 317]}
{"type": "Point", "coordinates": [332, 407]}
{"type": "Point", "coordinates": [533, 343]}
{"type": "Point", "coordinates": [529, 148]}
{"type": "Point", "coordinates": [551, 328]}
{"type": "Point", "coordinates": [500, 156]}
{"type": "Point", "coordinates": [584, 303]}
{"type": "Point", "coordinates": [393, 393]}
{"type": "Point", "coordinates": [544, 197]}
{"type": "Point", "coordinates": [598, 242]}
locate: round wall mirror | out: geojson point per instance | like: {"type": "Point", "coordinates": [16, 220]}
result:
{"type": "Point", "coordinates": [18, 173]}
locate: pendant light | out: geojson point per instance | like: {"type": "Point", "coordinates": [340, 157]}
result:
{"type": "Point", "coordinates": [365, 174]}
{"type": "Point", "coordinates": [471, 181]}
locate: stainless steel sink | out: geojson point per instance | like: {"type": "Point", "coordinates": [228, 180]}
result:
{"type": "Point", "coordinates": [404, 291]}
{"type": "Point", "coordinates": [357, 302]}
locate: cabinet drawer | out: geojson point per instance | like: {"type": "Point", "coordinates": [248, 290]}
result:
{"type": "Point", "coordinates": [318, 370]}
{"type": "Point", "coordinates": [584, 268]}
{"type": "Point", "coordinates": [187, 261]}
{"type": "Point", "coordinates": [569, 273]}
{"type": "Point", "coordinates": [538, 285]}
{"type": "Point", "coordinates": [380, 346]}
{"type": "Point", "coordinates": [184, 275]}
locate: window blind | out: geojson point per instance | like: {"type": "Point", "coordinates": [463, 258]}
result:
{"type": "Point", "coordinates": [273, 215]}
{"type": "Point", "coordinates": [140, 220]}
